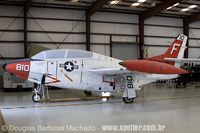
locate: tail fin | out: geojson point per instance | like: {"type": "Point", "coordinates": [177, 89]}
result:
{"type": "Point", "coordinates": [176, 50]}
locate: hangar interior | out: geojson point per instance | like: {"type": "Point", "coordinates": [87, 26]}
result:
{"type": "Point", "coordinates": [123, 29]}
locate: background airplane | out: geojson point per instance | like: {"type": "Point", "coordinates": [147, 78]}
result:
{"type": "Point", "coordinates": [88, 71]}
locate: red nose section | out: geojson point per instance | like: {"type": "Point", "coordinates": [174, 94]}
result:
{"type": "Point", "coordinates": [152, 67]}
{"type": "Point", "coordinates": [20, 69]}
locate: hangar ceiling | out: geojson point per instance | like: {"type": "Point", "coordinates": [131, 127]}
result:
{"type": "Point", "coordinates": [181, 8]}
{"type": "Point", "coordinates": [188, 10]}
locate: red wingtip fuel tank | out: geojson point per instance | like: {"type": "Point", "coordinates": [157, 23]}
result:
{"type": "Point", "coordinates": [152, 67]}
{"type": "Point", "coordinates": [20, 69]}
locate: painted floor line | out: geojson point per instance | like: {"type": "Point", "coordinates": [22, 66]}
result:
{"type": "Point", "coordinates": [80, 99]}
{"type": "Point", "coordinates": [108, 102]}
{"type": "Point", "coordinates": [167, 98]}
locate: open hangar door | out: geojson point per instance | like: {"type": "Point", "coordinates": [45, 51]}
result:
{"type": "Point", "coordinates": [124, 50]}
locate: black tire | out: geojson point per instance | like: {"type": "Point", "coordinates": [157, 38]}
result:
{"type": "Point", "coordinates": [127, 100]}
{"type": "Point", "coordinates": [88, 93]}
{"type": "Point", "coordinates": [36, 98]}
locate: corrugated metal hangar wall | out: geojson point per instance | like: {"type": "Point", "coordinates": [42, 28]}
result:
{"type": "Point", "coordinates": [47, 25]}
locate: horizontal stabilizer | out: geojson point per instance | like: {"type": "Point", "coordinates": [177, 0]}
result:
{"type": "Point", "coordinates": [182, 60]}
{"type": "Point", "coordinates": [109, 71]}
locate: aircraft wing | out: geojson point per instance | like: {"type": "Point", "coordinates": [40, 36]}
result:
{"type": "Point", "coordinates": [182, 60]}
{"type": "Point", "coordinates": [110, 70]}
{"type": "Point", "coordinates": [113, 71]}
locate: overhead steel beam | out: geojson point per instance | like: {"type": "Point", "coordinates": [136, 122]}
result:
{"type": "Point", "coordinates": [89, 12]}
{"type": "Point", "coordinates": [186, 23]}
{"type": "Point", "coordinates": [96, 6]}
{"type": "Point", "coordinates": [87, 23]}
{"type": "Point", "coordinates": [26, 8]}
{"type": "Point", "coordinates": [186, 32]}
{"type": "Point", "coordinates": [193, 18]}
{"type": "Point", "coordinates": [148, 13]}
{"type": "Point", "coordinates": [28, 4]}
{"type": "Point", "coordinates": [25, 32]}
{"type": "Point", "coordinates": [141, 37]}
{"type": "Point", "coordinates": [157, 9]}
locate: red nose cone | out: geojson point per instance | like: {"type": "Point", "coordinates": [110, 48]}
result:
{"type": "Point", "coordinates": [152, 67]}
{"type": "Point", "coordinates": [11, 68]}
{"type": "Point", "coordinates": [20, 69]}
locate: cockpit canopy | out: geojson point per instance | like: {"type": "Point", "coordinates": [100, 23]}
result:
{"type": "Point", "coordinates": [62, 53]}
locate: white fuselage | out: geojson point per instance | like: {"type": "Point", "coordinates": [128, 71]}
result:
{"type": "Point", "coordinates": [79, 77]}
{"type": "Point", "coordinates": [60, 73]}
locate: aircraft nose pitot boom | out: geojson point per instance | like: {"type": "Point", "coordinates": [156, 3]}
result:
{"type": "Point", "coordinates": [20, 68]}
{"type": "Point", "coordinates": [152, 67]}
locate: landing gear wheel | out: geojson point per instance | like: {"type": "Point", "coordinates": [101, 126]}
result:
{"type": "Point", "coordinates": [128, 100]}
{"type": "Point", "coordinates": [88, 93]}
{"type": "Point", "coordinates": [36, 97]}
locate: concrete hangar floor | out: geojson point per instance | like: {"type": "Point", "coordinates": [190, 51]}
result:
{"type": "Point", "coordinates": [156, 109]}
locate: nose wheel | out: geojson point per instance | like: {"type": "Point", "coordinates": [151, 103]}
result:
{"type": "Point", "coordinates": [40, 89]}
{"type": "Point", "coordinates": [36, 97]}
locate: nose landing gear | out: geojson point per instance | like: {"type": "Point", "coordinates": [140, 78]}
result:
{"type": "Point", "coordinates": [37, 97]}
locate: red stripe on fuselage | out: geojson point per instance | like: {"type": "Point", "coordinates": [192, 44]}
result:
{"type": "Point", "coordinates": [55, 80]}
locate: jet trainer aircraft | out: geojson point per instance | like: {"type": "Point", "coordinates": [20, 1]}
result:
{"type": "Point", "coordinates": [88, 71]}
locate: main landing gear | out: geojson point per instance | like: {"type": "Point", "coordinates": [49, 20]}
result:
{"type": "Point", "coordinates": [128, 100]}
{"type": "Point", "coordinates": [37, 97]}
{"type": "Point", "coordinates": [88, 93]}
{"type": "Point", "coordinates": [129, 92]}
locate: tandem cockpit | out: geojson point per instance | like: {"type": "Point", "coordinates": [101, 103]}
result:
{"type": "Point", "coordinates": [61, 54]}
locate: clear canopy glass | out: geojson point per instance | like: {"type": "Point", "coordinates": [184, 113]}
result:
{"type": "Point", "coordinates": [62, 53]}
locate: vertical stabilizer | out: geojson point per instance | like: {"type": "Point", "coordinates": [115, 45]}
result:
{"type": "Point", "coordinates": [176, 50]}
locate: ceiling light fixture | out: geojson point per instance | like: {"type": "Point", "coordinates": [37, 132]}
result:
{"type": "Point", "coordinates": [141, 1]}
{"type": "Point", "coordinates": [192, 6]}
{"type": "Point", "coordinates": [176, 4]}
{"type": "Point", "coordinates": [185, 9]}
{"type": "Point", "coordinates": [74, 0]}
{"type": "Point", "coordinates": [169, 7]}
{"type": "Point", "coordinates": [136, 4]}
{"type": "Point", "coordinates": [114, 2]}
{"type": "Point", "coordinates": [173, 6]}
